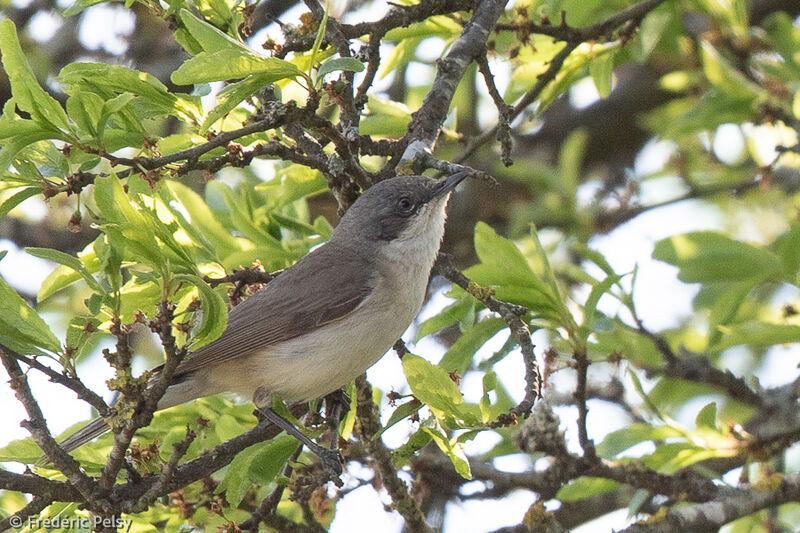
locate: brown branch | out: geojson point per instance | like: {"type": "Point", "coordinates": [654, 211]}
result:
{"type": "Point", "coordinates": [219, 457]}
{"type": "Point", "coordinates": [245, 156]}
{"type": "Point", "coordinates": [72, 383]}
{"type": "Point", "coordinates": [542, 81]}
{"type": "Point", "coordinates": [399, 16]}
{"type": "Point", "coordinates": [18, 519]}
{"type": "Point", "coordinates": [512, 315]}
{"type": "Point", "coordinates": [633, 16]}
{"type": "Point", "coordinates": [368, 425]}
{"type": "Point", "coordinates": [608, 220]}
{"type": "Point", "coordinates": [38, 486]}
{"type": "Point", "coordinates": [730, 505]}
{"type": "Point", "coordinates": [504, 111]}
{"type": "Point", "coordinates": [167, 471]}
{"type": "Point", "coordinates": [274, 116]}
{"type": "Point", "coordinates": [37, 427]}
{"type": "Point", "coordinates": [147, 402]}
{"type": "Point", "coordinates": [698, 368]}
{"type": "Point", "coordinates": [373, 63]}
{"type": "Point", "coordinates": [428, 119]}
{"type": "Point", "coordinates": [563, 32]}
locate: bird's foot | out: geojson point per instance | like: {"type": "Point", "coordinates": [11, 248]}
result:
{"type": "Point", "coordinates": [333, 462]}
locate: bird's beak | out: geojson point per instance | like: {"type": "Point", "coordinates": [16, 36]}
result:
{"type": "Point", "coordinates": [449, 183]}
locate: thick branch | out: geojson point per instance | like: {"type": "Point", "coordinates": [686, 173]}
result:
{"type": "Point", "coordinates": [730, 505]}
{"type": "Point", "coordinates": [38, 486]}
{"type": "Point", "coordinates": [426, 121]}
{"type": "Point", "coordinates": [37, 426]}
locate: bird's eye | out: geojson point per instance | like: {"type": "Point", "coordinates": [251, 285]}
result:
{"type": "Point", "coordinates": [404, 204]}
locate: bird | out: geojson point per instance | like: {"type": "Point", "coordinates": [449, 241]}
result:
{"type": "Point", "coordinates": [326, 319]}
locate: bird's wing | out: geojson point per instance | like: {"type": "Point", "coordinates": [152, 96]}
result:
{"type": "Point", "coordinates": [322, 287]}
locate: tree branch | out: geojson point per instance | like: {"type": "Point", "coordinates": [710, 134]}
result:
{"type": "Point", "coordinates": [428, 119]}
{"type": "Point", "coordinates": [729, 506]}
{"type": "Point", "coordinates": [367, 425]}
{"type": "Point", "coordinates": [37, 427]}
{"type": "Point", "coordinates": [512, 315]}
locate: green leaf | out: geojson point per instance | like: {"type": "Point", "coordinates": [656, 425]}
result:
{"type": "Point", "coordinates": [129, 229]}
{"type": "Point", "coordinates": [724, 76]}
{"type": "Point", "coordinates": [460, 354]}
{"type": "Point", "coordinates": [433, 386]}
{"type": "Point", "coordinates": [214, 312]}
{"type": "Point", "coordinates": [323, 25]}
{"type": "Point", "coordinates": [618, 441]}
{"type": "Point", "coordinates": [707, 256]}
{"type": "Point", "coordinates": [402, 412]}
{"type": "Point", "coordinates": [209, 37]}
{"type": "Point", "coordinates": [232, 95]}
{"type": "Point", "coordinates": [590, 307]}
{"type": "Point", "coordinates": [489, 384]}
{"type": "Point", "coordinates": [80, 5]}
{"type": "Point", "coordinates": [84, 109]}
{"type": "Point", "coordinates": [108, 81]}
{"type": "Point", "coordinates": [21, 328]}
{"type": "Point", "coordinates": [82, 336]}
{"type": "Point", "coordinates": [671, 457]}
{"type": "Point", "coordinates": [707, 417]}
{"type": "Point", "coordinates": [271, 458]}
{"type": "Point", "coordinates": [349, 421]}
{"type": "Point", "coordinates": [570, 165]}
{"type": "Point", "coordinates": [349, 64]}
{"type": "Point", "coordinates": [228, 64]}
{"type": "Point", "coordinates": [28, 94]}
{"type": "Point", "coordinates": [68, 261]}
{"type": "Point", "coordinates": [446, 317]}
{"type": "Point", "coordinates": [653, 28]}
{"type": "Point", "coordinates": [110, 107]}
{"type": "Point", "coordinates": [400, 56]}
{"type": "Point", "coordinates": [245, 222]}
{"type": "Point", "coordinates": [451, 448]}
{"type": "Point", "coordinates": [601, 70]}
{"type": "Point", "coordinates": [787, 247]}
{"type": "Point", "coordinates": [796, 105]}
{"type": "Point", "coordinates": [441, 25]}
{"type": "Point", "coordinates": [18, 197]}
{"type": "Point", "coordinates": [202, 224]}
{"type": "Point", "coordinates": [503, 266]}
{"type": "Point", "coordinates": [585, 487]}
{"type": "Point", "coordinates": [385, 118]}
{"type": "Point", "coordinates": [17, 133]}
{"type": "Point", "coordinates": [290, 184]}
{"type": "Point", "coordinates": [21, 451]}
{"type": "Point", "coordinates": [756, 333]}
{"type": "Point", "coordinates": [621, 339]}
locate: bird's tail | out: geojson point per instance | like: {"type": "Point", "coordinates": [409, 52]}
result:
{"type": "Point", "coordinates": [93, 429]}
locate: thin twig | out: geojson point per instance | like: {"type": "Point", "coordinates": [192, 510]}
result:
{"type": "Point", "coordinates": [512, 315]}
{"type": "Point", "coordinates": [179, 449]}
{"type": "Point", "coordinates": [72, 383]}
{"type": "Point", "coordinates": [582, 368]}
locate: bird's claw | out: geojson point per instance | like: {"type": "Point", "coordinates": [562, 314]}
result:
{"type": "Point", "coordinates": [332, 461]}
